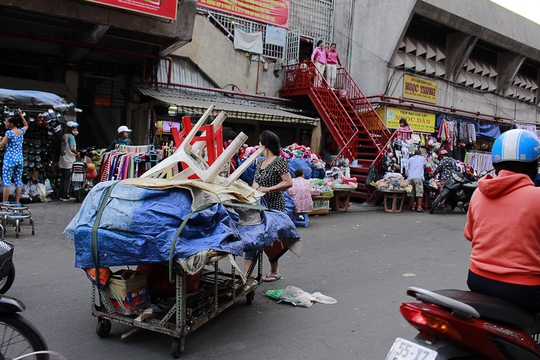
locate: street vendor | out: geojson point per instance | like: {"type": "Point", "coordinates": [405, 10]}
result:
{"type": "Point", "coordinates": [272, 177]}
{"type": "Point", "coordinates": [300, 193]}
{"type": "Point", "coordinates": [446, 166]}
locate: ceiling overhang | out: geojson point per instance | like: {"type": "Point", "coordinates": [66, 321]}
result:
{"type": "Point", "coordinates": [84, 31]}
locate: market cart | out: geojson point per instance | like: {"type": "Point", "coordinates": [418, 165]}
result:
{"type": "Point", "coordinates": [192, 226]}
{"type": "Point", "coordinates": [120, 223]}
{"type": "Point", "coordinates": [217, 291]}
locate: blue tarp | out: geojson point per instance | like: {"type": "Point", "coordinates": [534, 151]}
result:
{"type": "Point", "coordinates": [139, 224]}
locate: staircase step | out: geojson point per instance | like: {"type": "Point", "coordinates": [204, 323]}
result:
{"type": "Point", "coordinates": [368, 147]}
{"type": "Point", "coordinates": [367, 155]}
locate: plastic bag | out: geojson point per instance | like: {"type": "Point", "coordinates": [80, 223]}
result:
{"type": "Point", "coordinates": [295, 296]}
{"type": "Point", "coordinates": [274, 294]}
{"type": "Point", "coordinates": [323, 299]}
{"type": "Point", "coordinates": [372, 177]}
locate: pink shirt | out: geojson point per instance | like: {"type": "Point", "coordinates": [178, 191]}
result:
{"type": "Point", "coordinates": [318, 55]}
{"type": "Point", "coordinates": [404, 132]}
{"type": "Point", "coordinates": [332, 57]}
{"type": "Point", "coordinates": [300, 194]}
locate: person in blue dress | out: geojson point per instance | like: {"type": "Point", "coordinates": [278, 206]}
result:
{"type": "Point", "coordinates": [12, 167]}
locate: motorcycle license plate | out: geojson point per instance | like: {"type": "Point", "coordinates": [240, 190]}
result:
{"type": "Point", "coordinates": [77, 177]}
{"type": "Point", "coordinates": [407, 350]}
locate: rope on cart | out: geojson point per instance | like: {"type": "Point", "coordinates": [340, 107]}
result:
{"type": "Point", "coordinates": [177, 234]}
{"type": "Point", "coordinates": [95, 254]}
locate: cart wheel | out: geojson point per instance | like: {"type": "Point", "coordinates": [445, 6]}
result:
{"type": "Point", "coordinates": [250, 297]}
{"type": "Point", "coordinates": [103, 327]}
{"type": "Point", "coordinates": [177, 347]}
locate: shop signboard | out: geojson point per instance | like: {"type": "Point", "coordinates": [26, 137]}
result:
{"type": "Point", "coordinates": [102, 101]}
{"type": "Point", "coordinates": [419, 89]}
{"type": "Point", "coordinates": [275, 35]}
{"type": "Point", "coordinates": [419, 121]}
{"type": "Point", "coordinates": [162, 8]}
{"type": "Point", "coordinates": [275, 12]}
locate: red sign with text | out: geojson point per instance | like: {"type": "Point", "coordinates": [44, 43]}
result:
{"type": "Point", "coordinates": [275, 12]}
{"type": "Point", "coordinates": [161, 8]}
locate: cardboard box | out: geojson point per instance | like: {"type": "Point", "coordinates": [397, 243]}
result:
{"type": "Point", "coordinates": [321, 205]}
{"type": "Point", "coordinates": [128, 291]}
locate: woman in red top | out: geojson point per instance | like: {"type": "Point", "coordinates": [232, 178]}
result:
{"type": "Point", "coordinates": [332, 61]}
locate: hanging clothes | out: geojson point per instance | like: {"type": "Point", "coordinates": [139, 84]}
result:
{"type": "Point", "coordinates": [479, 160]}
{"type": "Point", "coordinates": [127, 161]}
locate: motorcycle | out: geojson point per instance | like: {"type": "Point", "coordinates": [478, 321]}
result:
{"type": "Point", "coordinates": [19, 339]}
{"type": "Point", "coordinates": [83, 175]}
{"type": "Point", "coordinates": [457, 192]}
{"type": "Point", "coordinates": [7, 269]}
{"type": "Point", "coordinates": [459, 325]}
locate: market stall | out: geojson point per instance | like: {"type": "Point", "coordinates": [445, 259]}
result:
{"type": "Point", "coordinates": [45, 114]}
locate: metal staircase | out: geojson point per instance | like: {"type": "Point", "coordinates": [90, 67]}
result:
{"type": "Point", "coordinates": [347, 113]}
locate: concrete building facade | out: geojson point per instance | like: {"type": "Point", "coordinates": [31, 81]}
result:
{"type": "Point", "coordinates": [484, 58]}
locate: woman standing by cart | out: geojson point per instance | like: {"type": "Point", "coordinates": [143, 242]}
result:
{"type": "Point", "coordinates": [13, 157]}
{"type": "Point", "coordinates": [272, 177]}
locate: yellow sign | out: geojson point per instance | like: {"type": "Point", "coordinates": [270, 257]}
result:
{"type": "Point", "coordinates": [417, 120]}
{"type": "Point", "coordinates": [419, 89]}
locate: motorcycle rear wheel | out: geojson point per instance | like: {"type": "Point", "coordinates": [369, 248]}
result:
{"type": "Point", "coordinates": [7, 281]}
{"type": "Point", "coordinates": [79, 195]}
{"type": "Point", "coordinates": [439, 200]}
{"type": "Point", "coordinates": [18, 337]}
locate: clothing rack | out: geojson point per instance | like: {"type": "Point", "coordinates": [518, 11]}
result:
{"type": "Point", "coordinates": [128, 161]}
{"type": "Point", "coordinates": [132, 149]}
{"type": "Point", "coordinates": [479, 160]}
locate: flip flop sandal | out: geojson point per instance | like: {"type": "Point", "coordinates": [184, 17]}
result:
{"type": "Point", "coordinates": [271, 278]}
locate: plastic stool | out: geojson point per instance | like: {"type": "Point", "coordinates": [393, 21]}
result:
{"type": "Point", "coordinates": [16, 219]}
{"type": "Point", "coordinates": [298, 221]}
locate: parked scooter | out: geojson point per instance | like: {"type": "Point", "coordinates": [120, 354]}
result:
{"type": "Point", "coordinates": [18, 337]}
{"type": "Point", "coordinates": [83, 175]}
{"type": "Point", "coordinates": [457, 192]}
{"type": "Point", "coordinates": [7, 269]}
{"type": "Point", "coordinates": [459, 325]}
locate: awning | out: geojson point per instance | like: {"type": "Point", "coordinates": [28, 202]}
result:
{"type": "Point", "coordinates": [237, 111]}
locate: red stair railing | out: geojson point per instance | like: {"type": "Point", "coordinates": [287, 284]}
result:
{"type": "Point", "coordinates": [363, 108]}
{"type": "Point", "coordinates": [339, 123]}
{"type": "Point", "coordinates": [373, 123]}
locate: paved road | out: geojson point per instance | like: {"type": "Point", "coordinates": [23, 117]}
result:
{"type": "Point", "coordinates": [364, 258]}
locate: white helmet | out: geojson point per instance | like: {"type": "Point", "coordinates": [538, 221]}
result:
{"type": "Point", "coordinates": [72, 124]}
{"type": "Point", "coordinates": [123, 128]}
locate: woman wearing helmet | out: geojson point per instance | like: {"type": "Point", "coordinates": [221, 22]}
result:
{"type": "Point", "coordinates": [446, 166]}
{"type": "Point", "coordinates": [503, 223]}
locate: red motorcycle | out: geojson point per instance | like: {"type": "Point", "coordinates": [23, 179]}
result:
{"type": "Point", "coordinates": [459, 325]}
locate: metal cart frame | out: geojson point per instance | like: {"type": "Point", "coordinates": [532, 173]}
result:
{"type": "Point", "coordinates": [217, 292]}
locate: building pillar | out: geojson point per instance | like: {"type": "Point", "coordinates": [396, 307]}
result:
{"type": "Point", "coordinates": [458, 50]}
{"type": "Point", "coordinates": [508, 65]}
